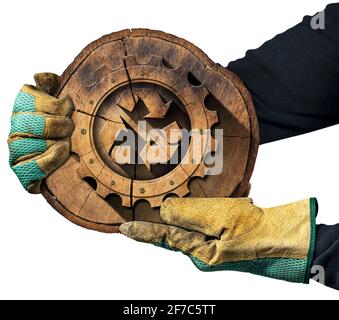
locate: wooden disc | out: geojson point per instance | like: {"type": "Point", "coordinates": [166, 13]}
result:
{"type": "Point", "coordinates": [147, 77]}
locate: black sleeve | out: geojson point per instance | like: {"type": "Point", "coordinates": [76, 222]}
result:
{"type": "Point", "coordinates": [294, 78]}
{"type": "Point", "coordinates": [326, 253]}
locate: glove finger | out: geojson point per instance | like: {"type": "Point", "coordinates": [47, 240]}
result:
{"type": "Point", "coordinates": [47, 82]}
{"type": "Point", "coordinates": [211, 216]}
{"type": "Point", "coordinates": [35, 187]}
{"type": "Point", "coordinates": [31, 99]}
{"type": "Point", "coordinates": [22, 149]}
{"type": "Point", "coordinates": [54, 157]}
{"type": "Point", "coordinates": [35, 125]}
{"type": "Point", "coordinates": [165, 236]}
{"type": "Point", "coordinates": [33, 170]}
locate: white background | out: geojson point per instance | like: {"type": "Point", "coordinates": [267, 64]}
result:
{"type": "Point", "coordinates": [42, 255]}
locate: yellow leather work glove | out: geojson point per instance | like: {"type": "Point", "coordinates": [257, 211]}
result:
{"type": "Point", "coordinates": [40, 129]}
{"type": "Point", "coordinates": [234, 234]}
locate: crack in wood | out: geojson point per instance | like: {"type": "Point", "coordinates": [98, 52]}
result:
{"type": "Point", "coordinates": [183, 54]}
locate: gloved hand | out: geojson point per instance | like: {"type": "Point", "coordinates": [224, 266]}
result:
{"type": "Point", "coordinates": [40, 129]}
{"type": "Point", "coordinates": [234, 234]}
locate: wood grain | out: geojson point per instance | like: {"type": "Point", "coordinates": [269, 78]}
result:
{"type": "Point", "coordinates": [148, 75]}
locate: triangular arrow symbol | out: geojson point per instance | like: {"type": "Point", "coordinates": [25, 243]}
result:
{"type": "Point", "coordinates": [154, 103]}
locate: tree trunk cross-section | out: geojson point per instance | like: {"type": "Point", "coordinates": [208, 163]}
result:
{"type": "Point", "coordinates": [168, 83]}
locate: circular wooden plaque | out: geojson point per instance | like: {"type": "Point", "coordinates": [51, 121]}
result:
{"type": "Point", "coordinates": [168, 83]}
